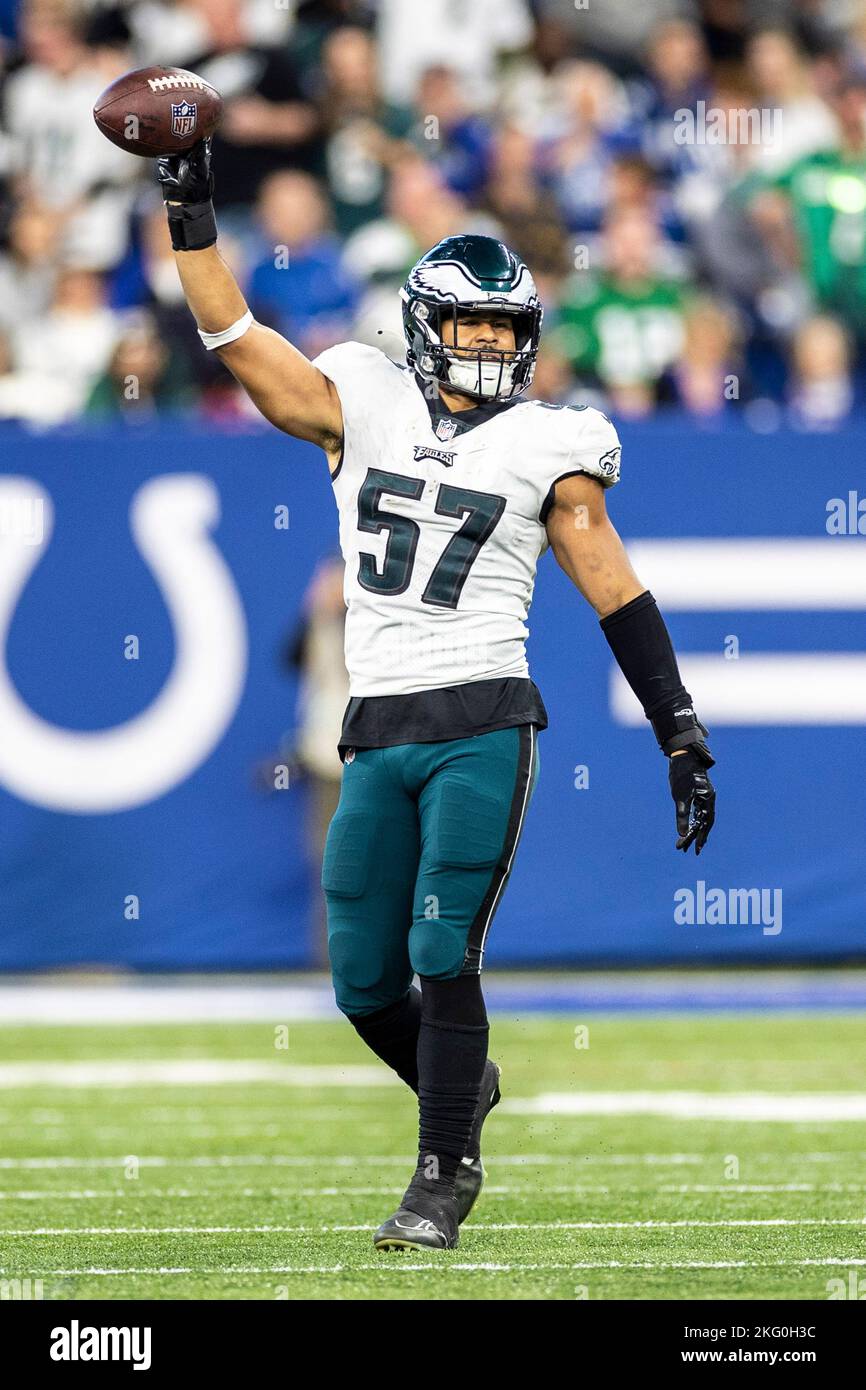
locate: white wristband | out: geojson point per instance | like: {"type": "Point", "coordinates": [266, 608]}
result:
{"type": "Point", "coordinates": [228, 335]}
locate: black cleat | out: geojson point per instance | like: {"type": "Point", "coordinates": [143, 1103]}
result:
{"type": "Point", "coordinates": [406, 1230]}
{"type": "Point", "coordinates": [470, 1174]}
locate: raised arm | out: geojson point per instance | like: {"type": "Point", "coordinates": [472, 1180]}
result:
{"type": "Point", "coordinates": [284, 385]}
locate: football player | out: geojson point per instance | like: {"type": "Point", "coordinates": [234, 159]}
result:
{"type": "Point", "coordinates": [449, 485]}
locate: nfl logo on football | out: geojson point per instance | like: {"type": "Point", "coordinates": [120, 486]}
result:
{"type": "Point", "coordinates": [183, 115]}
{"type": "Point", "coordinates": [446, 429]}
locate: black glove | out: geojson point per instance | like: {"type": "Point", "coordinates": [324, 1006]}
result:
{"type": "Point", "coordinates": [693, 794]}
{"type": "Point", "coordinates": [187, 189]}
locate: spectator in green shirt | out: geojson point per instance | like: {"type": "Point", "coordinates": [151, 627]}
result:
{"type": "Point", "coordinates": [814, 215]}
{"type": "Point", "coordinates": [623, 327]}
{"type": "Point", "coordinates": [141, 379]}
{"type": "Point", "coordinates": [364, 133]}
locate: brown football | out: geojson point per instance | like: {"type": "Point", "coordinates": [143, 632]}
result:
{"type": "Point", "coordinates": [156, 111]}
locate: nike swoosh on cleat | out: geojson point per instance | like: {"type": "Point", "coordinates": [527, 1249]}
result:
{"type": "Point", "coordinates": [420, 1226]}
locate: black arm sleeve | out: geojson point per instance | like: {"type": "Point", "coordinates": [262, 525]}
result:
{"type": "Point", "coordinates": [640, 641]}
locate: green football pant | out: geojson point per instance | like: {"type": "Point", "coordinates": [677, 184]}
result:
{"type": "Point", "coordinates": [417, 857]}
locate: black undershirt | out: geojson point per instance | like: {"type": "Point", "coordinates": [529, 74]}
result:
{"type": "Point", "coordinates": [462, 420]}
{"type": "Point", "coordinates": [434, 716]}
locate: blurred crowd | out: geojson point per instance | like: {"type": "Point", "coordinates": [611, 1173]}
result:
{"type": "Point", "coordinates": [685, 178]}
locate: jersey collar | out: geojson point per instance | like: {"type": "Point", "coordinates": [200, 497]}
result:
{"type": "Point", "coordinates": [447, 425]}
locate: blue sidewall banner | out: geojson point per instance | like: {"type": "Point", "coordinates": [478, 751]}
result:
{"type": "Point", "coordinates": [206, 871]}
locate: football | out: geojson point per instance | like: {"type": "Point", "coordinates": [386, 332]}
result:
{"type": "Point", "coordinates": [156, 111]}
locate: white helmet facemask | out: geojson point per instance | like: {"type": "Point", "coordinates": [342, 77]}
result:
{"type": "Point", "coordinates": [486, 371]}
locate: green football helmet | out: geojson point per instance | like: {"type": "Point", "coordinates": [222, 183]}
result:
{"type": "Point", "coordinates": [466, 274]}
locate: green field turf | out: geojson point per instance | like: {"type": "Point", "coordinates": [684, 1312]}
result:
{"type": "Point", "coordinates": [268, 1190]}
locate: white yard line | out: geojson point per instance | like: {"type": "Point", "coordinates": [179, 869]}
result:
{"type": "Point", "coordinates": [204, 1071]}
{"type": "Point", "coordinates": [527, 1160]}
{"type": "Point", "coordinates": [771, 1106]}
{"type": "Point", "coordinates": [793, 1107]}
{"type": "Point", "coordinates": [129, 1193]}
{"type": "Point", "coordinates": [343, 1229]}
{"type": "Point", "coordinates": [182, 1001]}
{"type": "Point", "coordinates": [43, 1194]}
{"type": "Point", "coordinates": [322, 1160]}
{"type": "Point", "coordinates": [442, 1266]}
{"type": "Point", "coordinates": [674, 1189]}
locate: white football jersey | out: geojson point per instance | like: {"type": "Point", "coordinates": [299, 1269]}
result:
{"type": "Point", "coordinates": [441, 535]}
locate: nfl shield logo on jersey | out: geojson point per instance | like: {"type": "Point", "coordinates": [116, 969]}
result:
{"type": "Point", "coordinates": [183, 116]}
{"type": "Point", "coordinates": [446, 429]}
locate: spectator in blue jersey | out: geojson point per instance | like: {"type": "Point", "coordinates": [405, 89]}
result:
{"type": "Point", "coordinates": [457, 139]}
{"type": "Point", "coordinates": [677, 79]}
{"type": "Point", "coordinates": [588, 131]}
{"type": "Point", "coordinates": [299, 285]}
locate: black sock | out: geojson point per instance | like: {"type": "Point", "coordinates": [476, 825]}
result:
{"type": "Point", "coordinates": [452, 1053]}
{"type": "Point", "coordinates": [392, 1033]}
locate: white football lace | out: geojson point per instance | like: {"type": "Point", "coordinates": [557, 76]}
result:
{"type": "Point", "coordinates": [160, 84]}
